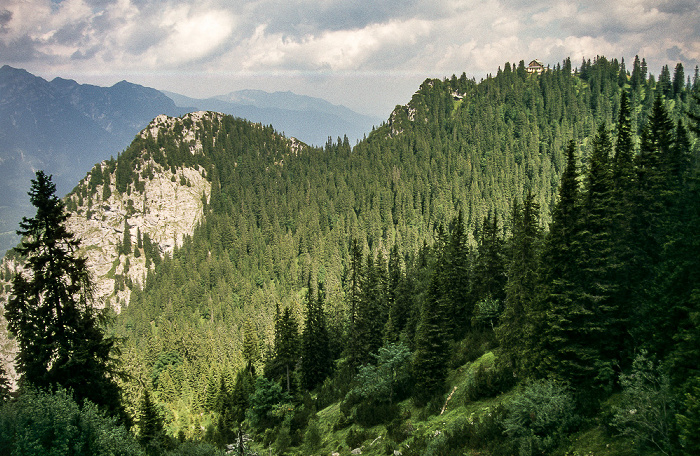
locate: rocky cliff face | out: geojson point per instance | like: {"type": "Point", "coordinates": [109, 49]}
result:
{"type": "Point", "coordinates": [165, 206]}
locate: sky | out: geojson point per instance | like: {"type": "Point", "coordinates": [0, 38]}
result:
{"type": "Point", "coordinates": [367, 55]}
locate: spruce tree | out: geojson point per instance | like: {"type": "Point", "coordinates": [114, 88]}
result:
{"type": "Point", "coordinates": [396, 300]}
{"type": "Point", "coordinates": [489, 279]}
{"type": "Point", "coordinates": [432, 339]}
{"type": "Point", "coordinates": [51, 311]}
{"type": "Point", "coordinates": [553, 346]}
{"type": "Point", "coordinates": [126, 241]}
{"type": "Point", "coordinates": [651, 202]}
{"type": "Point", "coordinates": [251, 350]}
{"type": "Point", "coordinates": [623, 241]}
{"type": "Point", "coordinates": [286, 345]}
{"type": "Point", "coordinates": [315, 345]}
{"type": "Point", "coordinates": [372, 310]}
{"type": "Point", "coordinates": [597, 264]}
{"type": "Point", "coordinates": [243, 388]}
{"type": "Point", "coordinates": [354, 350]}
{"type": "Point", "coordinates": [151, 433]}
{"type": "Point", "coordinates": [4, 385]}
{"type": "Point", "coordinates": [457, 278]}
{"type": "Point", "coordinates": [522, 269]}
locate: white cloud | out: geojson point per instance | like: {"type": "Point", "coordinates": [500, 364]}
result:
{"type": "Point", "coordinates": [336, 38]}
{"type": "Point", "coordinates": [191, 35]}
{"type": "Point", "coordinates": [556, 12]}
{"type": "Point", "coordinates": [339, 50]}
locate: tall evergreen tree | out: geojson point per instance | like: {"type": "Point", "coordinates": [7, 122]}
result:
{"type": "Point", "coordinates": [243, 388]}
{"type": "Point", "coordinates": [522, 268]}
{"type": "Point", "coordinates": [623, 241]}
{"type": "Point", "coordinates": [457, 279]}
{"type": "Point", "coordinates": [251, 349]}
{"type": "Point", "coordinates": [650, 203]}
{"type": "Point", "coordinates": [488, 280]}
{"type": "Point", "coordinates": [315, 345]}
{"type": "Point", "coordinates": [51, 311]}
{"type": "Point", "coordinates": [680, 293]}
{"type": "Point", "coordinates": [432, 342]}
{"type": "Point", "coordinates": [597, 263]}
{"type": "Point", "coordinates": [354, 297]}
{"type": "Point", "coordinates": [126, 240]}
{"type": "Point", "coordinates": [151, 432]}
{"type": "Point", "coordinates": [396, 298]}
{"type": "Point", "coordinates": [4, 385]}
{"type": "Point", "coordinates": [555, 348]}
{"type": "Point", "coordinates": [678, 80]}
{"type": "Point", "coordinates": [286, 345]}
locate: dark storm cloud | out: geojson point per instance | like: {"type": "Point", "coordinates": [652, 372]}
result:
{"type": "Point", "coordinates": [678, 6]}
{"type": "Point", "coordinates": [5, 18]}
{"type": "Point", "coordinates": [19, 51]}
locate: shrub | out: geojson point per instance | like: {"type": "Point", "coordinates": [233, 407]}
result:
{"type": "Point", "coordinates": [265, 410]}
{"type": "Point", "coordinates": [54, 424]}
{"type": "Point", "coordinates": [195, 449]}
{"type": "Point", "coordinates": [372, 413]}
{"type": "Point", "coordinates": [539, 417]}
{"type": "Point", "coordinates": [312, 437]}
{"type": "Point", "coordinates": [356, 436]}
{"type": "Point", "coordinates": [489, 381]}
{"type": "Point", "coordinates": [645, 413]}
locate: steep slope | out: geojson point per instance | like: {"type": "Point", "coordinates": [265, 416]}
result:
{"type": "Point", "coordinates": [165, 207]}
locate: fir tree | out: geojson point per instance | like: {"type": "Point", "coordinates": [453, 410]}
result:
{"type": "Point", "coordinates": [623, 242]}
{"type": "Point", "coordinates": [151, 433]}
{"type": "Point", "coordinates": [457, 278]}
{"type": "Point", "coordinates": [59, 332]}
{"type": "Point", "coordinates": [126, 241]}
{"type": "Point", "coordinates": [432, 341]}
{"type": "Point", "coordinates": [4, 385]}
{"type": "Point", "coordinates": [651, 202]}
{"type": "Point", "coordinates": [286, 345]}
{"type": "Point", "coordinates": [396, 301]}
{"type": "Point", "coordinates": [372, 311]}
{"type": "Point", "coordinates": [597, 263]}
{"type": "Point", "coordinates": [554, 348]}
{"type": "Point", "coordinates": [354, 297]}
{"type": "Point", "coordinates": [243, 388]}
{"type": "Point", "coordinates": [315, 345]}
{"type": "Point", "coordinates": [251, 350]}
{"type": "Point", "coordinates": [522, 267]}
{"type": "Point", "coordinates": [489, 270]}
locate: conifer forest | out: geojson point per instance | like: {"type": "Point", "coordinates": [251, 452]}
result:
{"type": "Point", "coordinates": [508, 266]}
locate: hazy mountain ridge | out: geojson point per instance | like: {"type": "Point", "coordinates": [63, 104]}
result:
{"type": "Point", "coordinates": [311, 120]}
{"type": "Point", "coordinates": [63, 128]}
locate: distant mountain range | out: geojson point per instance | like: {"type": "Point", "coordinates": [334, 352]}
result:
{"type": "Point", "coordinates": [64, 128]}
{"type": "Point", "coordinates": [311, 120]}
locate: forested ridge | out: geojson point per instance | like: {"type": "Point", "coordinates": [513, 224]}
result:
{"type": "Point", "coordinates": [508, 266]}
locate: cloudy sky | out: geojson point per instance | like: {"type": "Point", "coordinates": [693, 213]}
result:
{"type": "Point", "coordinates": [367, 55]}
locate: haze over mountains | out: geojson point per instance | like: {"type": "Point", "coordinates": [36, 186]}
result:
{"type": "Point", "coordinates": [64, 128]}
{"type": "Point", "coordinates": [311, 120]}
